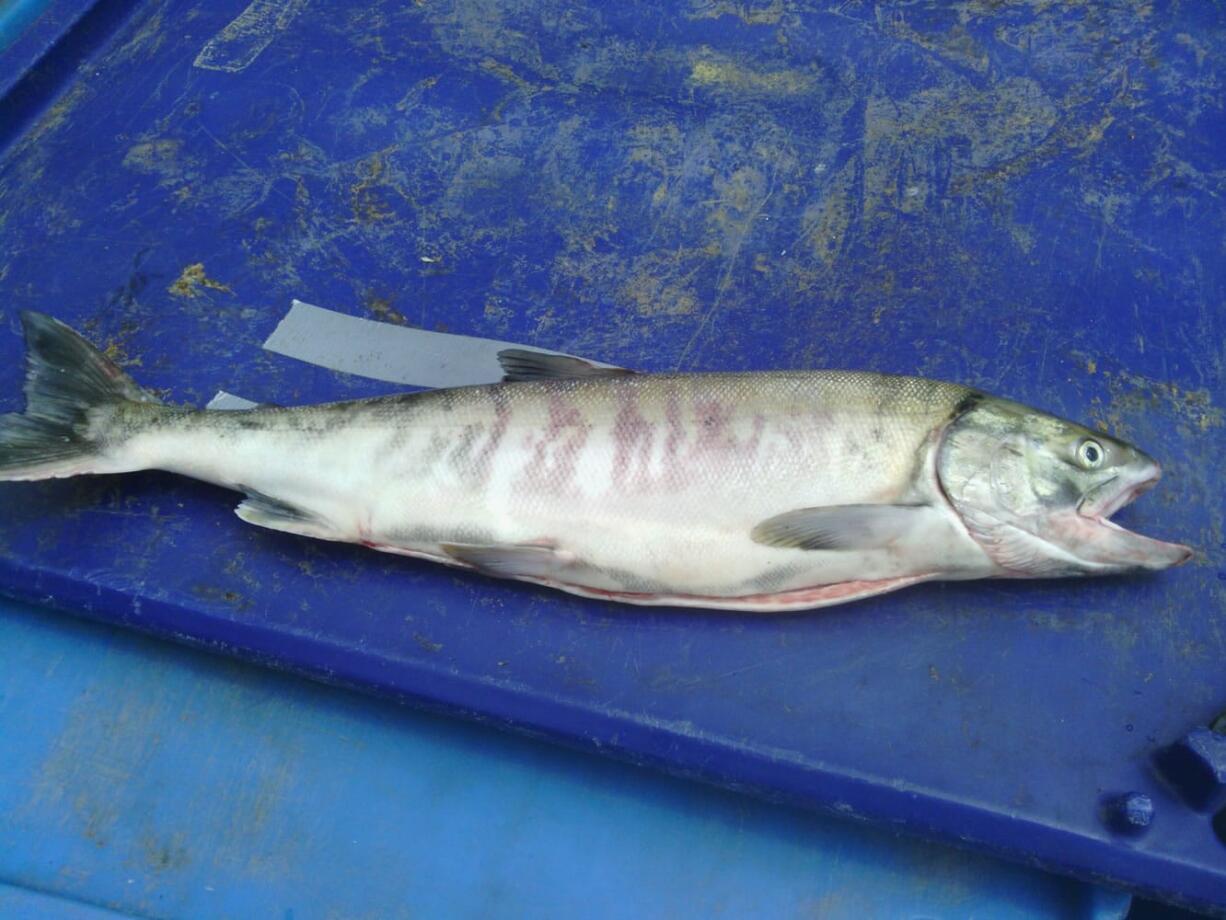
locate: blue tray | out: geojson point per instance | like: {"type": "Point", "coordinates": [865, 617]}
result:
{"type": "Point", "coordinates": [1030, 203]}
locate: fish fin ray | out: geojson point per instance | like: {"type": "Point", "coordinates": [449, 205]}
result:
{"type": "Point", "coordinates": [784, 602]}
{"type": "Point", "coordinates": [839, 527]}
{"type": "Point", "coordinates": [68, 381]}
{"type": "Point", "coordinates": [274, 514]}
{"type": "Point", "coordinates": [509, 560]}
{"type": "Point", "coordinates": [521, 364]}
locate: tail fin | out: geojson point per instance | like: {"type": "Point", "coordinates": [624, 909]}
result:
{"type": "Point", "coordinates": [66, 379]}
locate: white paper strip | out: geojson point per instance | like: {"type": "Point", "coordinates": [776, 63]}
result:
{"type": "Point", "coordinates": [382, 351]}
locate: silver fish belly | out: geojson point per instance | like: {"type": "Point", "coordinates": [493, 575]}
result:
{"type": "Point", "coordinates": [751, 491]}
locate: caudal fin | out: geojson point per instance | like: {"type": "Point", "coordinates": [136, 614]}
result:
{"type": "Point", "coordinates": [67, 382]}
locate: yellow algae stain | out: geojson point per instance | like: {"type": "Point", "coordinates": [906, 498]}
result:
{"type": "Point", "coordinates": [1132, 394]}
{"type": "Point", "coordinates": [365, 199]}
{"type": "Point", "coordinates": [720, 72]}
{"type": "Point", "coordinates": [768, 15]}
{"type": "Point", "coordinates": [656, 288]}
{"type": "Point", "coordinates": [192, 280]}
{"type": "Point", "coordinates": [506, 74]}
{"type": "Point", "coordinates": [381, 308]}
{"type": "Point", "coordinates": [154, 156]}
{"type": "Point", "coordinates": [827, 219]}
{"type": "Point", "coordinates": [116, 354]}
{"type": "Point", "coordinates": [1094, 136]}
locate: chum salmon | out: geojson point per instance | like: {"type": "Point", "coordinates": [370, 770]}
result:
{"type": "Point", "coordinates": [759, 491]}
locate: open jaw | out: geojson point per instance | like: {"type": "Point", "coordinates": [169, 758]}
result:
{"type": "Point", "coordinates": [1101, 543]}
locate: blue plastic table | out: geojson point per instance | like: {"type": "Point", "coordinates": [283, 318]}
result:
{"type": "Point", "coordinates": [160, 782]}
{"type": "Point", "coordinates": [1026, 199]}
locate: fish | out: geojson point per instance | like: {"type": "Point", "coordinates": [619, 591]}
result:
{"type": "Point", "coordinates": [760, 491]}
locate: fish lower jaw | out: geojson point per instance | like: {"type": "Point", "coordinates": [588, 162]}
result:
{"type": "Point", "coordinates": [1126, 549]}
{"type": "Point", "coordinates": [1119, 548]}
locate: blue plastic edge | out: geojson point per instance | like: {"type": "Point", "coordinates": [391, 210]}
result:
{"type": "Point", "coordinates": [679, 753]}
{"type": "Point", "coordinates": [44, 33]}
{"type": "Point", "coordinates": [34, 67]}
{"type": "Point", "coordinates": [20, 901]}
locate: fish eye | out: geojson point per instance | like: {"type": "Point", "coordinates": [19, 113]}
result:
{"type": "Point", "coordinates": [1090, 454]}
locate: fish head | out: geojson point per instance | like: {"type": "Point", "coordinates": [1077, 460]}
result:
{"type": "Point", "coordinates": [1037, 492]}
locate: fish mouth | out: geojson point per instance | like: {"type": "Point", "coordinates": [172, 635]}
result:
{"type": "Point", "coordinates": [1105, 544]}
{"type": "Point", "coordinates": [1117, 492]}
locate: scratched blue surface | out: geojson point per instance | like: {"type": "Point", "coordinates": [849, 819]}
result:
{"type": "Point", "coordinates": [1022, 199]}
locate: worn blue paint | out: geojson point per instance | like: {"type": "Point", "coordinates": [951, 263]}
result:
{"type": "Point", "coordinates": [1024, 200]}
{"type": "Point", "coordinates": [162, 782]}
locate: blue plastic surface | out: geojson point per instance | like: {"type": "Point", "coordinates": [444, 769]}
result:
{"type": "Point", "coordinates": [16, 16]}
{"type": "Point", "coordinates": [162, 782]}
{"type": "Point", "coordinates": [1022, 199]}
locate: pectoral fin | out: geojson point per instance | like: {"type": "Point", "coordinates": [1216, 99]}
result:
{"type": "Point", "coordinates": [840, 527]}
{"type": "Point", "coordinates": [521, 364]}
{"type": "Point", "coordinates": [510, 560]}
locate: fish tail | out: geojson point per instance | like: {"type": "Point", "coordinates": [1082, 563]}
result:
{"type": "Point", "coordinates": [73, 395]}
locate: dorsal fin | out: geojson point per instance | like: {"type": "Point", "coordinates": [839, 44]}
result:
{"type": "Point", "coordinates": [521, 364]}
